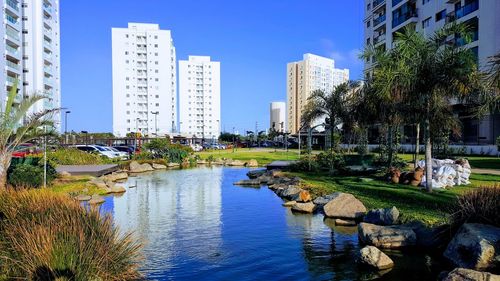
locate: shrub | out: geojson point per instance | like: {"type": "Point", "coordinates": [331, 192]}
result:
{"type": "Point", "coordinates": [306, 163]}
{"type": "Point", "coordinates": [47, 236]}
{"type": "Point", "coordinates": [28, 172]}
{"type": "Point", "coordinates": [73, 156]}
{"type": "Point", "coordinates": [162, 148]}
{"type": "Point", "coordinates": [328, 160]}
{"type": "Point", "coordinates": [481, 205]}
{"type": "Point", "coordinates": [143, 155]}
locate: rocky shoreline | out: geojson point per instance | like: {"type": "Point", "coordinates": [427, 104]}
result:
{"type": "Point", "coordinates": [474, 249]}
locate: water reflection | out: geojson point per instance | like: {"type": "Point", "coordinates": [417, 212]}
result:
{"type": "Point", "coordinates": [172, 212]}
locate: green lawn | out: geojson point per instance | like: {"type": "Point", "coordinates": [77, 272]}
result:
{"type": "Point", "coordinates": [263, 156]}
{"type": "Point", "coordinates": [413, 203]}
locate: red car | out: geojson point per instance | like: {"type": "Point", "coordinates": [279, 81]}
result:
{"type": "Point", "coordinates": [24, 150]}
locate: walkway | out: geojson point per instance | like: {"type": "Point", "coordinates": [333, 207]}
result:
{"type": "Point", "coordinates": [88, 170]}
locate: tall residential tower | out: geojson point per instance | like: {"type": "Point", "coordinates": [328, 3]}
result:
{"type": "Point", "coordinates": [31, 52]}
{"type": "Point", "coordinates": [384, 18]}
{"type": "Point", "coordinates": [144, 80]}
{"type": "Point", "coordinates": [199, 97]}
{"type": "Point", "coordinates": [304, 77]}
{"type": "Point", "coordinates": [277, 114]}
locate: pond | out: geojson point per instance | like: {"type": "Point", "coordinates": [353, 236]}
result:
{"type": "Point", "coordinates": [196, 225]}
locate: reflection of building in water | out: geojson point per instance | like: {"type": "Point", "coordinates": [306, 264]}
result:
{"type": "Point", "coordinates": [175, 212]}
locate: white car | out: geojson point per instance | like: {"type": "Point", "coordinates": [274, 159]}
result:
{"type": "Point", "coordinates": [196, 147]}
{"type": "Point", "coordinates": [122, 155]}
{"type": "Point", "coordinates": [99, 150]}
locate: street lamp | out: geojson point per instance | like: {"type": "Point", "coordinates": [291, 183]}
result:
{"type": "Point", "coordinates": [66, 125]}
{"type": "Point", "coordinates": [156, 121]}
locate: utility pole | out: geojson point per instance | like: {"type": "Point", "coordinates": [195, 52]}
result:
{"type": "Point", "coordinates": [234, 140]}
{"type": "Point", "coordinates": [256, 137]}
{"type": "Point", "coordinates": [66, 125]}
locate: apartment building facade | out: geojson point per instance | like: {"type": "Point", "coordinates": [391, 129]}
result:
{"type": "Point", "coordinates": [31, 50]}
{"type": "Point", "coordinates": [277, 114]}
{"type": "Point", "coordinates": [384, 18]}
{"type": "Point", "coordinates": [199, 98]}
{"type": "Point", "coordinates": [144, 81]}
{"type": "Point", "coordinates": [304, 77]}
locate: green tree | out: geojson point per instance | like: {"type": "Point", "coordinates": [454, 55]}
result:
{"type": "Point", "coordinates": [427, 72]}
{"type": "Point", "coordinates": [17, 127]}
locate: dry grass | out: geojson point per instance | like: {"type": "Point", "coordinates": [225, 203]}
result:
{"type": "Point", "coordinates": [48, 236]}
{"type": "Point", "coordinates": [481, 205]}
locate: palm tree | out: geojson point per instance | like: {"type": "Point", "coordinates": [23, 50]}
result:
{"type": "Point", "coordinates": [333, 106]}
{"type": "Point", "coordinates": [429, 73]}
{"type": "Point", "coordinates": [17, 126]}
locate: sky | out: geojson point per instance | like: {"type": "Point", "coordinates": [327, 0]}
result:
{"type": "Point", "coordinates": [253, 40]}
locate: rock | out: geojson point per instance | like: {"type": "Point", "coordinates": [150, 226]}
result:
{"type": "Point", "coordinates": [115, 177]}
{"type": "Point", "coordinates": [135, 167]}
{"type": "Point", "coordinates": [252, 163]}
{"type": "Point", "coordinates": [64, 174]}
{"type": "Point", "coordinates": [201, 162]}
{"type": "Point", "coordinates": [290, 192]}
{"type": "Point", "coordinates": [375, 258]}
{"type": "Point", "coordinates": [173, 165]}
{"type": "Point", "coordinates": [387, 216]}
{"type": "Point", "coordinates": [83, 197]}
{"type": "Point", "coordinates": [342, 222]}
{"type": "Point", "coordinates": [344, 205]}
{"type": "Point", "coordinates": [235, 163]}
{"type": "Point", "coordinates": [463, 274]}
{"type": "Point", "coordinates": [386, 236]}
{"type": "Point", "coordinates": [302, 196]}
{"type": "Point", "coordinates": [96, 199]}
{"type": "Point", "coordinates": [266, 180]}
{"type": "Point", "coordinates": [159, 166]}
{"type": "Point", "coordinates": [117, 189]}
{"type": "Point", "coordinates": [475, 246]}
{"type": "Point", "coordinates": [253, 182]}
{"type": "Point", "coordinates": [99, 183]}
{"type": "Point", "coordinates": [321, 201]}
{"type": "Point", "coordinates": [289, 203]}
{"type": "Point", "coordinates": [253, 174]}
{"type": "Point", "coordinates": [304, 207]}
{"type": "Point", "coordinates": [431, 237]}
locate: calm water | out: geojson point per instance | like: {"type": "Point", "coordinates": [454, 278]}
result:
{"type": "Point", "coordinates": [197, 225]}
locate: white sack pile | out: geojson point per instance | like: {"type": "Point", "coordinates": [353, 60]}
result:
{"type": "Point", "coordinates": [447, 172]}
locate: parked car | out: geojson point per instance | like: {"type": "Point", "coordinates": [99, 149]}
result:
{"type": "Point", "coordinates": [24, 150]}
{"type": "Point", "coordinates": [98, 150]}
{"type": "Point", "coordinates": [122, 155]}
{"type": "Point", "coordinates": [130, 150]}
{"type": "Point", "coordinates": [196, 147]}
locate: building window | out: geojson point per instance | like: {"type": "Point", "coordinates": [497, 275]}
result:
{"type": "Point", "coordinates": [440, 15]}
{"type": "Point", "coordinates": [156, 36]}
{"type": "Point", "coordinates": [368, 23]}
{"type": "Point", "coordinates": [156, 45]}
{"type": "Point", "coordinates": [426, 23]}
{"type": "Point", "coordinates": [425, 1]}
{"type": "Point", "coordinates": [368, 7]}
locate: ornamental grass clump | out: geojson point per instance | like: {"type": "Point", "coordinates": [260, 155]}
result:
{"type": "Point", "coordinates": [73, 156]}
{"type": "Point", "coordinates": [47, 236]}
{"type": "Point", "coordinates": [481, 205]}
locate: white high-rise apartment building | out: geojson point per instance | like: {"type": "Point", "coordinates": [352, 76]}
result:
{"type": "Point", "coordinates": [383, 18]}
{"type": "Point", "coordinates": [277, 116]}
{"type": "Point", "coordinates": [144, 80]}
{"type": "Point", "coordinates": [31, 50]}
{"type": "Point", "coordinates": [199, 97]}
{"type": "Point", "coordinates": [304, 77]}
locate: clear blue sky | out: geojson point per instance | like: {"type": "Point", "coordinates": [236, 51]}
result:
{"type": "Point", "coordinates": [253, 40]}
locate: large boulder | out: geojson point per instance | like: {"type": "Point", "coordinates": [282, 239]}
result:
{"type": "Point", "coordinates": [115, 177]}
{"type": "Point", "coordinates": [302, 196]}
{"type": "Point", "coordinates": [290, 192]}
{"type": "Point", "coordinates": [235, 163]}
{"type": "Point", "coordinates": [373, 257]}
{"type": "Point", "coordinates": [386, 236]}
{"type": "Point", "coordinates": [157, 166]}
{"type": "Point", "coordinates": [252, 163]}
{"type": "Point", "coordinates": [475, 246]}
{"type": "Point", "coordinates": [321, 201]}
{"type": "Point", "coordinates": [135, 167]}
{"type": "Point", "coordinates": [83, 197]}
{"type": "Point", "coordinates": [289, 203]}
{"type": "Point", "coordinates": [252, 182]}
{"type": "Point", "coordinates": [304, 207]}
{"type": "Point", "coordinates": [463, 274]}
{"type": "Point", "coordinates": [96, 199]}
{"type": "Point", "coordinates": [387, 216]}
{"type": "Point", "coordinates": [117, 189]}
{"type": "Point", "coordinates": [99, 183]}
{"type": "Point", "coordinates": [430, 237]}
{"type": "Point", "coordinates": [173, 165]}
{"type": "Point", "coordinates": [344, 205]}
{"type": "Point", "coordinates": [253, 174]}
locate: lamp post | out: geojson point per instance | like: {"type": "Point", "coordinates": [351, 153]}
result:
{"type": "Point", "coordinates": [66, 125]}
{"type": "Point", "coordinates": [156, 121]}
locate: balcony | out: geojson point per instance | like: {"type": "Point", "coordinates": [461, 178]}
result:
{"type": "Point", "coordinates": [467, 9]}
{"type": "Point", "coordinates": [378, 20]}
{"type": "Point", "coordinates": [12, 51]}
{"type": "Point", "coordinates": [11, 79]}
{"type": "Point", "coordinates": [379, 39]}
{"type": "Point", "coordinates": [376, 3]}
{"type": "Point", "coordinates": [395, 2]}
{"type": "Point", "coordinates": [13, 4]}
{"type": "Point", "coordinates": [12, 35]}
{"type": "Point", "coordinates": [12, 65]}
{"type": "Point", "coordinates": [410, 15]}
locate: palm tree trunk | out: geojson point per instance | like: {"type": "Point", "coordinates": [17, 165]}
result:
{"type": "Point", "coordinates": [390, 142]}
{"type": "Point", "coordinates": [417, 144]}
{"type": "Point", "coordinates": [309, 140]}
{"type": "Point", "coordinates": [428, 155]}
{"type": "Point", "coordinates": [5, 158]}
